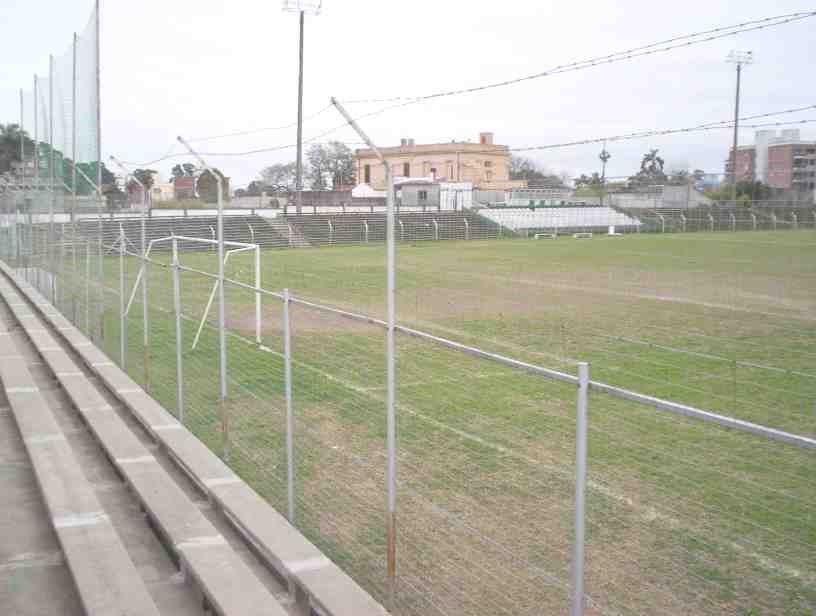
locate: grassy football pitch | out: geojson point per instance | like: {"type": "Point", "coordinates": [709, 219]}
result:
{"type": "Point", "coordinates": [683, 517]}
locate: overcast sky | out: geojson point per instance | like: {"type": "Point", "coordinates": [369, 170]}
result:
{"type": "Point", "coordinates": [206, 67]}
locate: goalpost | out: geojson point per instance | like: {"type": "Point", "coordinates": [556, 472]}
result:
{"type": "Point", "coordinates": [238, 247]}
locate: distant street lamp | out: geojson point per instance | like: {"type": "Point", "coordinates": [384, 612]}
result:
{"type": "Point", "coordinates": [604, 156]}
{"type": "Point", "coordinates": [313, 7]}
{"type": "Point", "coordinates": [739, 58]}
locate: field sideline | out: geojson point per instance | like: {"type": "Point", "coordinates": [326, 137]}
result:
{"type": "Point", "coordinates": [683, 518]}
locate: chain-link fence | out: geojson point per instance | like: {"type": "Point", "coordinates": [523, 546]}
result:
{"type": "Point", "coordinates": [677, 478]}
{"type": "Point", "coordinates": [664, 493]}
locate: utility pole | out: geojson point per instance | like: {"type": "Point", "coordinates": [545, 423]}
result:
{"type": "Point", "coordinates": [301, 7]}
{"type": "Point", "coordinates": [604, 156]}
{"type": "Point", "coordinates": [739, 58]}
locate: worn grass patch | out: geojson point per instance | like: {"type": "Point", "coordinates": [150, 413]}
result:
{"type": "Point", "coordinates": [683, 517]}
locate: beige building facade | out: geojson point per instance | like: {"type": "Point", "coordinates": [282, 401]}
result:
{"type": "Point", "coordinates": [484, 164]}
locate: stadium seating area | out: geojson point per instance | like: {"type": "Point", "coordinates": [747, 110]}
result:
{"type": "Point", "coordinates": [248, 229]}
{"type": "Point", "coordinates": [322, 229]}
{"type": "Point", "coordinates": [293, 231]}
{"type": "Point", "coordinates": [304, 230]}
{"type": "Point", "coordinates": [723, 218]}
{"type": "Point", "coordinates": [560, 219]}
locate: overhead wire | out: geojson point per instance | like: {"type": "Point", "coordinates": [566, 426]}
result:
{"type": "Point", "coordinates": [686, 40]}
{"type": "Point", "coordinates": [243, 133]}
{"type": "Point", "coordinates": [652, 48]}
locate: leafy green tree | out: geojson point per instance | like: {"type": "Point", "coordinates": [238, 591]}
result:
{"type": "Point", "coordinates": [589, 185]}
{"type": "Point", "coordinates": [747, 192]}
{"type": "Point", "coordinates": [10, 145]}
{"type": "Point", "coordinates": [522, 168]}
{"type": "Point", "coordinates": [334, 160]}
{"type": "Point", "coordinates": [146, 177]}
{"type": "Point", "coordinates": [588, 181]}
{"type": "Point", "coordinates": [280, 174]}
{"type": "Point", "coordinates": [183, 170]}
{"type": "Point", "coordinates": [651, 171]}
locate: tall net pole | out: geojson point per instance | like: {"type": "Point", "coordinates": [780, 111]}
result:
{"type": "Point", "coordinates": [99, 180]}
{"type": "Point", "coordinates": [36, 138]}
{"type": "Point", "coordinates": [74, 138]}
{"type": "Point", "coordinates": [22, 141]}
{"type": "Point", "coordinates": [98, 112]}
{"type": "Point", "coordinates": [51, 161]}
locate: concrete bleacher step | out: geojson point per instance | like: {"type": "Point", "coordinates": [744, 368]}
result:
{"type": "Point", "coordinates": [224, 579]}
{"type": "Point", "coordinates": [326, 588]}
{"type": "Point", "coordinates": [105, 577]}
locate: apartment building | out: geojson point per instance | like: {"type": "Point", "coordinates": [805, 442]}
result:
{"type": "Point", "coordinates": [783, 161]}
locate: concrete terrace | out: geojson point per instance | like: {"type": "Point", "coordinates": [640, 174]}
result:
{"type": "Point", "coordinates": [111, 507]}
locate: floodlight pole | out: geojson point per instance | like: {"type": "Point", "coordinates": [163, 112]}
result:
{"type": "Point", "coordinates": [314, 8]}
{"type": "Point", "coordinates": [299, 160]}
{"type": "Point", "coordinates": [739, 58]}
{"type": "Point", "coordinates": [604, 156]}
{"type": "Point", "coordinates": [391, 301]}
{"type": "Point", "coordinates": [222, 339]}
{"type": "Point", "coordinates": [736, 130]}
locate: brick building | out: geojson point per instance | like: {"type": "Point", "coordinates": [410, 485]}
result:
{"type": "Point", "coordinates": [792, 166]}
{"type": "Point", "coordinates": [783, 161]}
{"type": "Point", "coordinates": [746, 163]}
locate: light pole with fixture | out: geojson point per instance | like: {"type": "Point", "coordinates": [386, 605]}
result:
{"type": "Point", "coordinates": [604, 156]}
{"type": "Point", "coordinates": [301, 7]}
{"type": "Point", "coordinates": [739, 58]}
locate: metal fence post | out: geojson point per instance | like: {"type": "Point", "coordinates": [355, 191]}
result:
{"type": "Point", "coordinates": [290, 418]}
{"type": "Point", "coordinates": [258, 305]}
{"type": "Point", "coordinates": [391, 413]}
{"type": "Point", "coordinates": [391, 424]}
{"type": "Point", "coordinates": [222, 335]}
{"type": "Point", "coordinates": [101, 249]}
{"type": "Point", "coordinates": [145, 314]}
{"type": "Point", "coordinates": [122, 314]}
{"type": "Point", "coordinates": [88, 287]}
{"type": "Point", "coordinates": [179, 334]}
{"type": "Point", "coordinates": [580, 490]}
